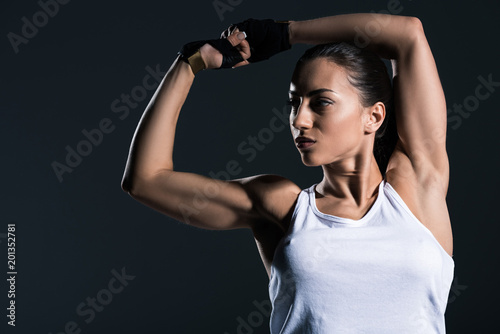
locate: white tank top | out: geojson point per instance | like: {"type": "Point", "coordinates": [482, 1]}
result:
{"type": "Point", "coordinates": [384, 273]}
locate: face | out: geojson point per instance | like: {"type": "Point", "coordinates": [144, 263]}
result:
{"type": "Point", "coordinates": [326, 108]}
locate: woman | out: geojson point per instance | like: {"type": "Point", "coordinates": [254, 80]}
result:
{"type": "Point", "coordinates": [369, 248]}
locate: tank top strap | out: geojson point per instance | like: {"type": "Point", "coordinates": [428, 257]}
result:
{"type": "Point", "coordinates": [301, 214]}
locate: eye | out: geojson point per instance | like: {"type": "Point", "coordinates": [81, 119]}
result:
{"type": "Point", "coordinates": [322, 103]}
{"type": "Point", "coordinates": [293, 103]}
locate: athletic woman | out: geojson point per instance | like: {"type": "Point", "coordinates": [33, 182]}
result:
{"type": "Point", "coordinates": [368, 249]}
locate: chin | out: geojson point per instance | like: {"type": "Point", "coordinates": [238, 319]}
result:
{"type": "Point", "coordinates": [310, 162]}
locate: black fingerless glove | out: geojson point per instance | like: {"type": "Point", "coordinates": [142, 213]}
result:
{"type": "Point", "coordinates": [230, 55]}
{"type": "Point", "coordinates": [266, 37]}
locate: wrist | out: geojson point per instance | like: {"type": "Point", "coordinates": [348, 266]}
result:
{"type": "Point", "coordinates": [196, 62]}
{"type": "Point", "coordinates": [291, 36]}
{"type": "Point", "coordinates": [182, 65]}
{"type": "Point", "coordinates": [190, 54]}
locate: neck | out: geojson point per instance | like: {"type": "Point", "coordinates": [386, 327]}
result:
{"type": "Point", "coordinates": [353, 180]}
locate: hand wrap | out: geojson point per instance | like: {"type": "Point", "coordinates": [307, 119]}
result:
{"type": "Point", "coordinates": [266, 37]}
{"type": "Point", "coordinates": [230, 55]}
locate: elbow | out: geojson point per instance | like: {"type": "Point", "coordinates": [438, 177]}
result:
{"type": "Point", "coordinates": [412, 34]}
{"type": "Point", "coordinates": [129, 185]}
{"type": "Point", "coordinates": [130, 179]}
{"type": "Point", "coordinates": [415, 28]}
{"type": "Point", "coordinates": [126, 185]}
{"type": "Point", "coordinates": [415, 22]}
{"type": "Point", "coordinates": [135, 183]}
{"type": "Point", "coordinates": [135, 186]}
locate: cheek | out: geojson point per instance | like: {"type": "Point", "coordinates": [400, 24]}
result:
{"type": "Point", "coordinates": [343, 131]}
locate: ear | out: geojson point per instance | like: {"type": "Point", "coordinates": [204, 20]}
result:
{"type": "Point", "coordinates": [374, 117]}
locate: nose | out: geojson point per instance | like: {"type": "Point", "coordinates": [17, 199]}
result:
{"type": "Point", "coordinates": [302, 118]}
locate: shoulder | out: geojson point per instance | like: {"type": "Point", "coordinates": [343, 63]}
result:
{"type": "Point", "coordinates": [274, 196]}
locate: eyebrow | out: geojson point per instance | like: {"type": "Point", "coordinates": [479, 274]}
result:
{"type": "Point", "coordinates": [313, 92]}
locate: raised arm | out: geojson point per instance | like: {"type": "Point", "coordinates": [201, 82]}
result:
{"type": "Point", "coordinates": [201, 201]}
{"type": "Point", "coordinates": [420, 104]}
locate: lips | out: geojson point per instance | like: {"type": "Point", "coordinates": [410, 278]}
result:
{"type": "Point", "coordinates": [301, 139]}
{"type": "Point", "coordinates": [304, 142]}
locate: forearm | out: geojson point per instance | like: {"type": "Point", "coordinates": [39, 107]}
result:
{"type": "Point", "coordinates": [387, 35]}
{"type": "Point", "coordinates": [152, 145]}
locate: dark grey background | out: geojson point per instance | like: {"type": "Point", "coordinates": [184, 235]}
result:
{"type": "Point", "coordinates": [71, 234]}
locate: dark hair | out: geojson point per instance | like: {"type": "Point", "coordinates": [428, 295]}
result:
{"type": "Point", "coordinates": [368, 74]}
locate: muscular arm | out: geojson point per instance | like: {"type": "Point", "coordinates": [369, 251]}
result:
{"type": "Point", "coordinates": [153, 142]}
{"type": "Point", "coordinates": [387, 35]}
{"type": "Point", "coordinates": [193, 199]}
{"type": "Point", "coordinates": [152, 145]}
{"type": "Point", "coordinates": [419, 99]}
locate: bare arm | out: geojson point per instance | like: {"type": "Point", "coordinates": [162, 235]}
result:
{"type": "Point", "coordinates": [152, 145]}
{"type": "Point", "coordinates": [420, 104]}
{"type": "Point", "coordinates": [387, 35]}
{"type": "Point", "coordinates": [194, 199]}
{"type": "Point", "coordinates": [153, 142]}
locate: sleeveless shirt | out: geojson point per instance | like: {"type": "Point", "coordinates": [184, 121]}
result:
{"type": "Point", "coordinates": [384, 273]}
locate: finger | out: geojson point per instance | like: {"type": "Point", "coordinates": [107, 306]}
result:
{"type": "Point", "coordinates": [240, 44]}
{"type": "Point", "coordinates": [228, 31]}
{"type": "Point", "coordinates": [244, 49]}
{"type": "Point", "coordinates": [241, 63]}
{"type": "Point", "coordinates": [233, 38]}
{"type": "Point", "coordinates": [225, 33]}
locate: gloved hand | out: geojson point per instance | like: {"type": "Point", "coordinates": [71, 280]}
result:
{"type": "Point", "coordinates": [231, 48]}
{"type": "Point", "coordinates": [266, 37]}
